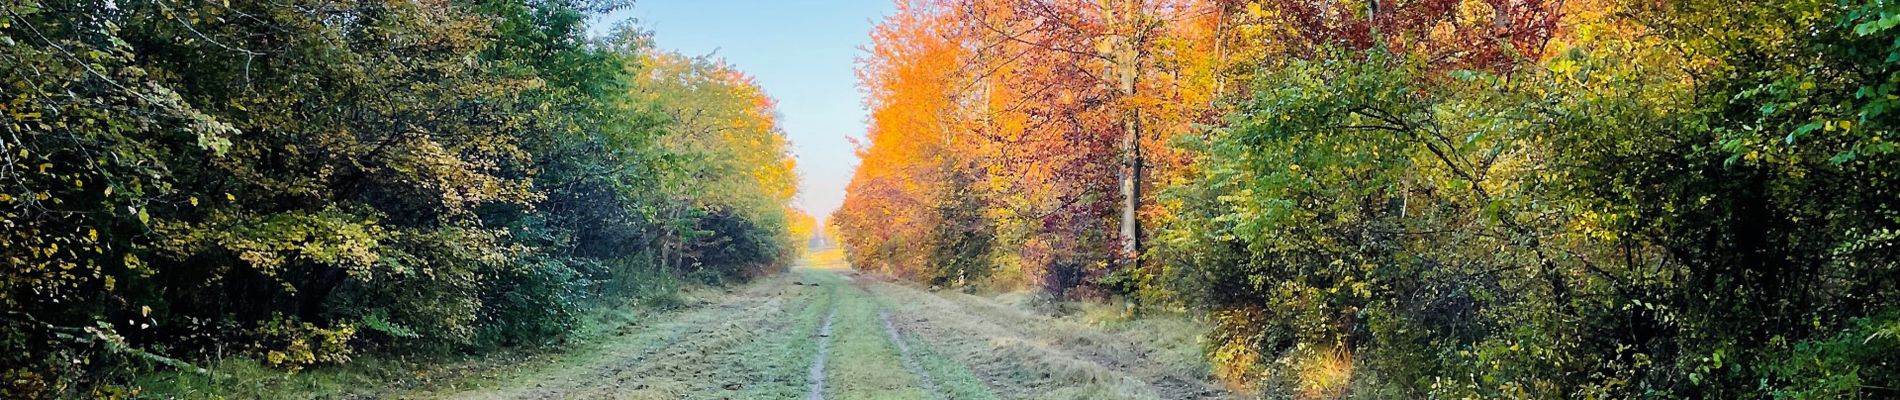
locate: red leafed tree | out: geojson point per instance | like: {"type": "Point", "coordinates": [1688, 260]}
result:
{"type": "Point", "coordinates": [1476, 34]}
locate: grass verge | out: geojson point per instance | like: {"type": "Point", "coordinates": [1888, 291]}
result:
{"type": "Point", "coordinates": [378, 376]}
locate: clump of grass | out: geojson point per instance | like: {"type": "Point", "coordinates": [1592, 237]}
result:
{"type": "Point", "coordinates": [1035, 302]}
{"type": "Point", "coordinates": [1323, 373]}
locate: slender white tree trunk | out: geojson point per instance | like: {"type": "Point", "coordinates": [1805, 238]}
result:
{"type": "Point", "coordinates": [1127, 70]}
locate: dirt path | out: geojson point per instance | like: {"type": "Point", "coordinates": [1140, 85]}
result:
{"type": "Point", "coordinates": [825, 332]}
{"type": "Point", "coordinates": [815, 390]}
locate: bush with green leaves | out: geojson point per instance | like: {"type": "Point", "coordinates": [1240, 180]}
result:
{"type": "Point", "coordinates": [311, 181]}
{"type": "Point", "coordinates": [1707, 219]}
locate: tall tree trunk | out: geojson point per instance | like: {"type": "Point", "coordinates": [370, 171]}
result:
{"type": "Point", "coordinates": [1126, 63]}
{"type": "Point", "coordinates": [1131, 189]}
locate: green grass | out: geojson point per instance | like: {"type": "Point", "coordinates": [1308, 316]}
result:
{"type": "Point", "coordinates": [956, 381]}
{"type": "Point", "coordinates": [760, 345]}
{"type": "Point", "coordinates": [243, 378]}
{"type": "Point", "coordinates": [777, 366]}
{"type": "Point", "coordinates": [1031, 347]}
{"type": "Point", "coordinates": [953, 379]}
{"type": "Point", "coordinates": [864, 364]}
{"type": "Point", "coordinates": [1175, 335]}
{"type": "Point", "coordinates": [379, 375]}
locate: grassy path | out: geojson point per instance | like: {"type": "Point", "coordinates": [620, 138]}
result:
{"type": "Point", "coordinates": [826, 332]}
{"type": "Point", "coordinates": [815, 387]}
{"type": "Point", "coordinates": [910, 359]}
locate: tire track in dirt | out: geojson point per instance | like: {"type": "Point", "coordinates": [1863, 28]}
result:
{"type": "Point", "coordinates": [775, 339]}
{"type": "Point", "coordinates": [815, 389]}
{"type": "Point", "coordinates": [688, 330]}
{"type": "Point", "coordinates": [938, 376]}
{"type": "Point", "coordinates": [747, 358]}
{"type": "Point", "coordinates": [709, 364]}
{"type": "Point", "coordinates": [903, 348]}
{"type": "Point", "coordinates": [1037, 346]}
{"type": "Point", "coordinates": [760, 364]}
{"type": "Point", "coordinates": [1020, 367]}
{"type": "Point", "coordinates": [910, 359]}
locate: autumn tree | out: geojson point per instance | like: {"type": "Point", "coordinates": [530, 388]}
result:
{"type": "Point", "coordinates": [1432, 201]}
{"type": "Point", "coordinates": [307, 182]}
{"type": "Point", "coordinates": [1052, 119]}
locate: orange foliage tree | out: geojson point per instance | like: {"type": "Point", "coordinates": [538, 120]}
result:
{"type": "Point", "coordinates": [908, 81]}
{"type": "Point", "coordinates": [1013, 140]}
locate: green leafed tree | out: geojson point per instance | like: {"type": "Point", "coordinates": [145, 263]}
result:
{"type": "Point", "coordinates": [1682, 200]}
{"type": "Point", "coordinates": [311, 181]}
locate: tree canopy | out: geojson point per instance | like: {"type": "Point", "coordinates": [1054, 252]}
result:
{"type": "Point", "coordinates": [311, 180]}
{"type": "Point", "coordinates": [1415, 199]}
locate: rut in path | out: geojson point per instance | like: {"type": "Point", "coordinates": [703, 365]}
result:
{"type": "Point", "coordinates": [998, 342]}
{"type": "Point", "coordinates": [969, 348]}
{"type": "Point", "coordinates": [816, 389]}
{"type": "Point", "coordinates": [910, 361]}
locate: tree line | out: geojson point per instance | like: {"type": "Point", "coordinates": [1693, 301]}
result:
{"type": "Point", "coordinates": [1414, 198]}
{"type": "Point", "coordinates": [304, 182]}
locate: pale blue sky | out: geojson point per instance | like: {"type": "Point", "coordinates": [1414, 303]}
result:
{"type": "Point", "coordinates": [802, 52]}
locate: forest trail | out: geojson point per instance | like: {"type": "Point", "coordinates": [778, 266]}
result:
{"type": "Point", "coordinates": [825, 331]}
